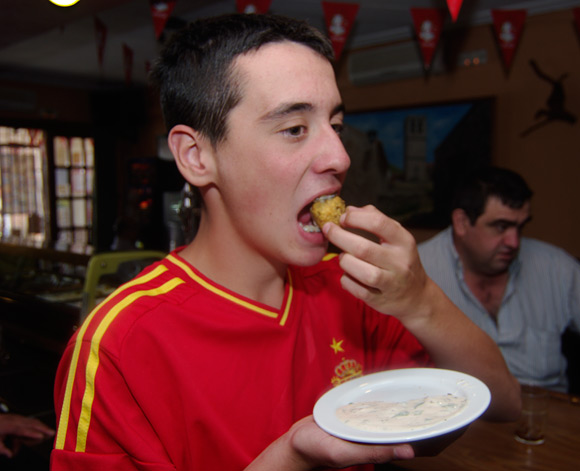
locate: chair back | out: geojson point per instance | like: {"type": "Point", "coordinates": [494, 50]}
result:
{"type": "Point", "coordinates": [107, 263]}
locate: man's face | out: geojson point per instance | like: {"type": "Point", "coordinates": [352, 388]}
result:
{"type": "Point", "coordinates": [282, 150]}
{"type": "Point", "coordinates": [491, 244]}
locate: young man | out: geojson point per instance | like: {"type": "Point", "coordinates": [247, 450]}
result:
{"type": "Point", "coordinates": [215, 357]}
{"type": "Point", "coordinates": [523, 292]}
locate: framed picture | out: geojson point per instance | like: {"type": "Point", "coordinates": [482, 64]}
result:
{"type": "Point", "coordinates": [406, 161]}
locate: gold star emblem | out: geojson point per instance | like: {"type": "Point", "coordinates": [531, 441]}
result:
{"type": "Point", "coordinates": [337, 346]}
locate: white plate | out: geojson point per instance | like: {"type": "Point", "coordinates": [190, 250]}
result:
{"type": "Point", "coordinates": [399, 386]}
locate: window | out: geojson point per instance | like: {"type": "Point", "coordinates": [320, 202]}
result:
{"type": "Point", "coordinates": [24, 198]}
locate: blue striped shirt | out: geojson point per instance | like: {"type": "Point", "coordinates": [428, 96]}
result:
{"type": "Point", "coordinates": [541, 300]}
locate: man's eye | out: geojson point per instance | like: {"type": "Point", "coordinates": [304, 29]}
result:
{"type": "Point", "coordinates": [295, 131]}
{"type": "Point", "coordinates": [338, 128]}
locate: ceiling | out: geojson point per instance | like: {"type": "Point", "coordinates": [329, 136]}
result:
{"type": "Point", "coordinates": [42, 42]}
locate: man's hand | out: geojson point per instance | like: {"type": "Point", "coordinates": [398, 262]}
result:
{"type": "Point", "coordinates": [387, 275]}
{"type": "Point", "coordinates": [306, 447]}
{"type": "Point", "coordinates": [23, 429]}
{"type": "Point", "coordinates": [318, 448]}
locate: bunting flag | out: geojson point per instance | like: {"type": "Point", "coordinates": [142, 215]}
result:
{"type": "Point", "coordinates": [339, 19]}
{"type": "Point", "coordinates": [454, 7]}
{"type": "Point", "coordinates": [161, 11]}
{"type": "Point", "coordinates": [428, 25]}
{"type": "Point", "coordinates": [508, 26]}
{"type": "Point", "coordinates": [253, 6]}
{"type": "Point", "coordinates": [128, 63]}
{"type": "Point", "coordinates": [101, 36]}
{"type": "Point", "coordinates": [576, 12]}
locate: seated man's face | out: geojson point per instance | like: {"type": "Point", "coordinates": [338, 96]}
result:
{"type": "Point", "coordinates": [492, 243]}
{"type": "Point", "coordinates": [282, 150]}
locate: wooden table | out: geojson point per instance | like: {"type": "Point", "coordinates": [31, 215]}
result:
{"type": "Point", "coordinates": [490, 446]}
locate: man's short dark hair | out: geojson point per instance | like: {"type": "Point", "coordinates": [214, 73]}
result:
{"type": "Point", "coordinates": [194, 74]}
{"type": "Point", "coordinates": [471, 195]}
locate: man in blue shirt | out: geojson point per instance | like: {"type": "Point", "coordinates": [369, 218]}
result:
{"type": "Point", "coordinates": [523, 292]}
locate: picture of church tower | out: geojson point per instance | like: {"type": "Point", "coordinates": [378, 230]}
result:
{"type": "Point", "coordinates": [415, 158]}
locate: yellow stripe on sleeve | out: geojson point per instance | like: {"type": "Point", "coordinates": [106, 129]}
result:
{"type": "Point", "coordinates": [93, 361]}
{"type": "Point", "coordinates": [65, 410]}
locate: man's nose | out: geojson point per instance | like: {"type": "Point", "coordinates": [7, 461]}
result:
{"type": "Point", "coordinates": [333, 156]}
{"type": "Point", "coordinates": [512, 237]}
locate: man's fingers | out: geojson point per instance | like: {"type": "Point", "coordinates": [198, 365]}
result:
{"type": "Point", "coordinates": [5, 451]}
{"type": "Point", "coordinates": [371, 220]}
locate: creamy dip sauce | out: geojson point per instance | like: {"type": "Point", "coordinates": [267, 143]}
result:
{"type": "Point", "coordinates": [380, 416]}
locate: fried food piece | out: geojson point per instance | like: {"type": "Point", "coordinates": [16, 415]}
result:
{"type": "Point", "coordinates": [327, 209]}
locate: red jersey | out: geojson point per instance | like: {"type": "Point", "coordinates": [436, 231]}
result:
{"type": "Point", "coordinates": [174, 372]}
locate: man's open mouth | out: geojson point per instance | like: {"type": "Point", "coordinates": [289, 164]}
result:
{"type": "Point", "coordinates": [306, 222]}
{"type": "Point", "coordinates": [305, 219]}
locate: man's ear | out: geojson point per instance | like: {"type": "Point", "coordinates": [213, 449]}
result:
{"type": "Point", "coordinates": [460, 221]}
{"type": "Point", "coordinates": [193, 155]}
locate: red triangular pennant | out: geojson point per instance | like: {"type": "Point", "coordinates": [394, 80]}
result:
{"type": "Point", "coordinates": [161, 11]}
{"type": "Point", "coordinates": [508, 26]}
{"type": "Point", "coordinates": [339, 20]}
{"type": "Point", "coordinates": [576, 12]}
{"type": "Point", "coordinates": [454, 7]}
{"type": "Point", "coordinates": [128, 63]}
{"type": "Point", "coordinates": [101, 36]}
{"type": "Point", "coordinates": [428, 25]}
{"type": "Point", "coordinates": [253, 6]}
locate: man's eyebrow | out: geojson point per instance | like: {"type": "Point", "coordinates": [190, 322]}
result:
{"type": "Point", "coordinates": [338, 109]}
{"type": "Point", "coordinates": [510, 222]}
{"type": "Point", "coordinates": [286, 109]}
{"type": "Point", "coordinates": [505, 222]}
